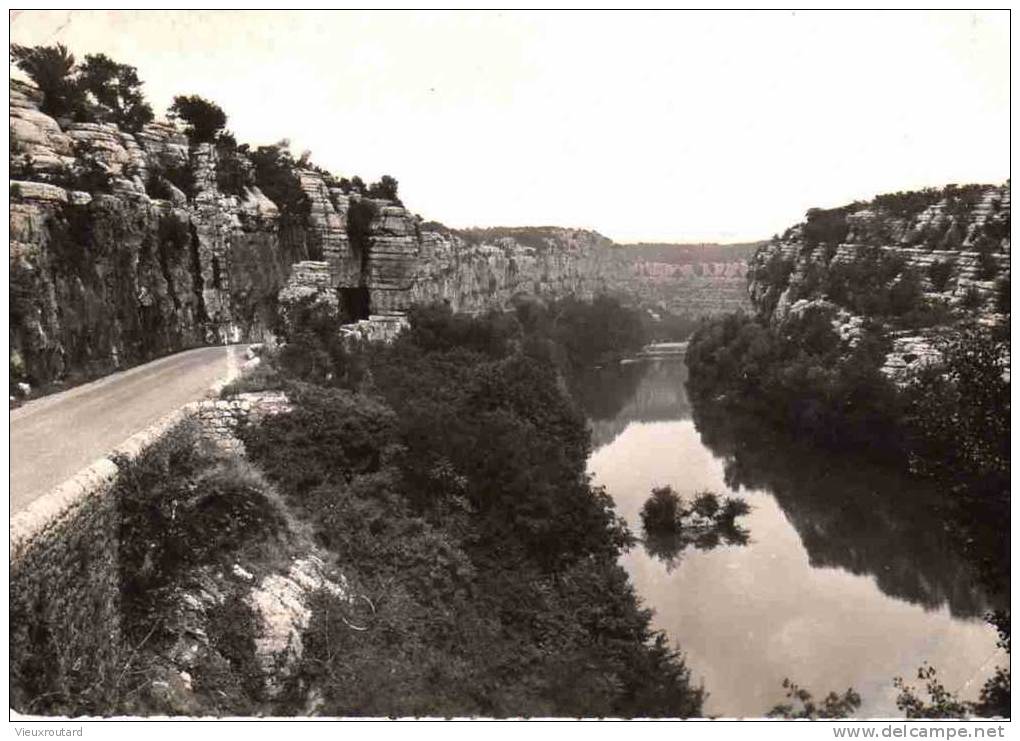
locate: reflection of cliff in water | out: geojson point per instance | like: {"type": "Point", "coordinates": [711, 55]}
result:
{"type": "Point", "coordinates": [643, 391]}
{"type": "Point", "coordinates": [849, 514]}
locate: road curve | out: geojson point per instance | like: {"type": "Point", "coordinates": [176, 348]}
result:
{"type": "Point", "coordinates": [54, 437]}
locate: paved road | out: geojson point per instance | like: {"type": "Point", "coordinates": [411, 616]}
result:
{"type": "Point", "coordinates": [54, 437]}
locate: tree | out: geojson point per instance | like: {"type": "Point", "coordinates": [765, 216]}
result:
{"type": "Point", "coordinates": [274, 174]}
{"type": "Point", "coordinates": [51, 68]}
{"type": "Point", "coordinates": [116, 94]}
{"type": "Point", "coordinates": [204, 118]}
{"type": "Point", "coordinates": [385, 188]}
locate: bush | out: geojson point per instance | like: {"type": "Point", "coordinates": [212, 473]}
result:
{"type": "Point", "coordinates": [827, 226]}
{"type": "Point", "coordinates": [330, 436]}
{"type": "Point", "coordinates": [663, 512]}
{"type": "Point", "coordinates": [275, 176]}
{"type": "Point", "coordinates": [88, 175]}
{"type": "Point", "coordinates": [233, 173]}
{"type": "Point", "coordinates": [1002, 295]}
{"type": "Point", "coordinates": [359, 221]}
{"type": "Point", "coordinates": [181, 506]}
{"type": "Point", "coordinates": [971, 299]}
{"type": "Point", "coordinates": [264, 377]}
{"type": "Point", "coordinates": [939, 272]}
{"type": "Point", "coordinates": [386, 188]}
{"type": "Point", "coordinates": [988, 266]}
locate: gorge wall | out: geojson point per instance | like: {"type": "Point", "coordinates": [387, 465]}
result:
{"type": "Point", "coordinates": [125, 247]}
{"type": "Point", "coordinates": [915, 263]}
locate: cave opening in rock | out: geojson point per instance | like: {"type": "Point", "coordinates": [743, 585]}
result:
{"type": "Point", "coordinates": [355, 303]}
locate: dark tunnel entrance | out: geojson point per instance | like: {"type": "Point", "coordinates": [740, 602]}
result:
{"type": "Point", "coordinates": [355, 303]}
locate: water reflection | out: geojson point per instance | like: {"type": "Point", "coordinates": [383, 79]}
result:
{"type": "Point", "coordinates": [865, 519]}
{"type": "Point", "coordinates": [848, 579]}
{"type": "Point", "coordinates": [645, 391]}
{"type": "Point", "coordinates": [670, 524]}
{"type": "Point", "coordinates": [849, 514]}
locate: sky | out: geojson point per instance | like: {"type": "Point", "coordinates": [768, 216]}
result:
{"type": "Point", "coordinates": [655, 126]}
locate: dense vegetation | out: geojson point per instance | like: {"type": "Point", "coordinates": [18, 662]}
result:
{"type": "Point", "coordinates": [949, 423]}
{"type": "Point", "coordinates": [488, 557]}
{"type": "Point", "coordinates": [832, 227]}
{"type": "Point", "coordinates": [797, 377]}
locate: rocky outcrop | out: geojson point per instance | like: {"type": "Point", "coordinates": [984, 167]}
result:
{"type": "Point", "coordinates": [126, 246]}
{"type": "Point", "coordinates": [475, 276]}
{"type": "Point", "coordinates": [915, 263]}
{"type": "Point", "coordinates": [107, 272]}
{"type": "Point", "coordinates": [701, 289]}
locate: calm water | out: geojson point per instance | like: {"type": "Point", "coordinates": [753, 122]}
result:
{"type": "Point", "coordinates": [848, 579]}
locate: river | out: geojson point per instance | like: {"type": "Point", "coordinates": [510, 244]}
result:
{"type": "Point", "coordinates": [848, 578]}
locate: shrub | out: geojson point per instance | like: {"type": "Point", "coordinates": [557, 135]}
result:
{"type": "Point", "coordinates": [832, 706]}
{"type": "Point", "coordinates": [905, 204]}
{"type": "Point", "coordinates": [939, 272]}
{"type": "Point", "coordinates": [158, 187]}
{"type": "Point", "coordinates": [826, 226]}
{"type": "Point", "coordinates": [386, 188]}
{"type": "Point", "coordinates": [971, 299]}
{"type": "Point", "coordinates": [330, 436]}
{"type": "Point", "coordinates": [1002, 295]}
{"type": "Point", "coordinates": [359, 221]}
{"type": "Point", "coordinates": [274, 171]}
{"type": "Point", "coordinates": [233, 173]}
{"type": "Point", "coordinates": [86, 175]}
{"type": "Point", "coordinates": [663, 511]}
{"type": "Point", "coordinates": [264, 377]}
{"type": "Point", "coordinates": [988, 266]}
{"type": "Point", "coordinates": [180, 506]}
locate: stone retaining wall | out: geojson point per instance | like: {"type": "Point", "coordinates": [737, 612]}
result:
{"type": "Point", "coordinates": [65, 601]}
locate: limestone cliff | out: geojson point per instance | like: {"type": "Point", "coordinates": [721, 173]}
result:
{"type": "Point", "coordinates": [915, 263]}
{"type": "Point", "coordinates": [128, 246]}
{"type": "Point", "coordinates": [698, 289]}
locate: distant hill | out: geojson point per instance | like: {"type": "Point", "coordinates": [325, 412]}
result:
{"type": "Point", "coordinates": [690, 253]}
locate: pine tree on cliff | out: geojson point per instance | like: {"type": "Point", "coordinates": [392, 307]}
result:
{"type": "Point", "coordinates": [116, 92]}
{"type": "Point", "coordinates": [204, 118]}
{"type": "Point", "coordinates": [50, 68]}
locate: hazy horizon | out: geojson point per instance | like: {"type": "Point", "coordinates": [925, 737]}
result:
{"type": "Point", "coordinates": [646, 127]}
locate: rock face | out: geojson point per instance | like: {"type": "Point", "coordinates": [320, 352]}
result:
{"type": "Point", "coordinates": [128, 246]}
{"type": "Point", "coordinates": [695, 289]}
{"type": "Point", "coordinates": [913, 262]}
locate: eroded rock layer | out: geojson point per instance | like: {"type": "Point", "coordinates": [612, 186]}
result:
{"type": "Point", "coordinates": [128, 246]}
{"type": "Point", "coordinates": [916, 263]}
